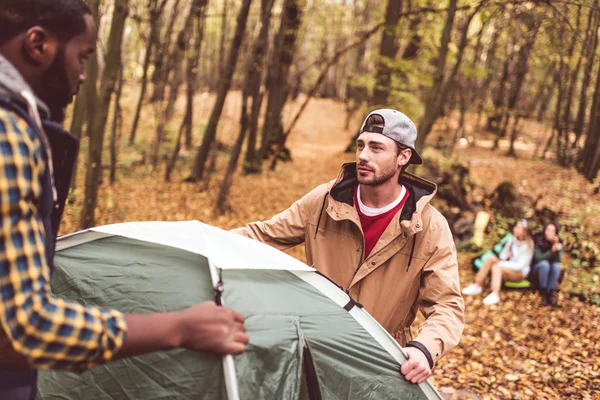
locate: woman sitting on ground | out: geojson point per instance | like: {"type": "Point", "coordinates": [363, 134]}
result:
{"type": "Point", "coordinates": [512, 265]}
{"type": "Point", "coordinates": [546, 261]}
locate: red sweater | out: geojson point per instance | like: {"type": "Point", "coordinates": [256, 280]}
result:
{"type": "Point", "coordinates": [374, 226]}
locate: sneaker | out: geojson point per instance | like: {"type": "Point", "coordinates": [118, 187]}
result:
{"type": "Point", "coordinates": [472, 289]}
{"type": "Point", "coordinates": [491, 298]}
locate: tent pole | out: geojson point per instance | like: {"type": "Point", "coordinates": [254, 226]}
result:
{"type": "Point", "coordinates": [231, 384]}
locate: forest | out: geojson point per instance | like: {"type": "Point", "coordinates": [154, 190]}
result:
{"type": "Point", "coordinates": [227, 111]}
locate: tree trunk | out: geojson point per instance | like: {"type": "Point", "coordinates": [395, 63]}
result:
{"type": "Point", "coordinates": [221, 59]}
{"type": "Point", "coordinates": [144, 82]}
{"type": "Point", "coordinates": [85, 103]}
{"type": "Point", "coordinates": [432, 106]}
{"type": "Point", "coordinates": [192, 72]}
{"type": "Point", "coordinates": [278, 80]}
{"type": "Point", "coordinates": [387, 53]}
{"type": "Point", "coordinates": [109, 77]}
{"type": "Point", "coordinates": [489, 65]}
{"type": "Point", "coordinates": [542, 96]}
{"type": "Point", "coordinates": [257, 70]}
{"type": "Point", "coordinates": [221, 205]}
{"type": "Point", "coordinates": [461, 50]}
{"type": "Point", "coordinates": [513, 137]}
{"type": "Point", "coordinates": [592, 142]}
{"type": "Point", "coordinates": [193, 55]}
{"type": "Point", "coordinates": [162, 63]}
{"type": "Point", "coordinates": [224, 85]}
{"type": "Point", "coordinates": [521, 70]}
{"type": "Point", "coordinates": [176, 61]}
{"type": "Point", "coordinates": [117, 122]}
{"type": "Point", "coordinates": [560, 124]}
{"type": "Point", "coordinates": [155, 10]}
{"type": "Point", "coordinates": [592, 42]}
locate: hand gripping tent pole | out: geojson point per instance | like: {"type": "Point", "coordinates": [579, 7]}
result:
{"type": "Point", "coordinates": [231, 384]}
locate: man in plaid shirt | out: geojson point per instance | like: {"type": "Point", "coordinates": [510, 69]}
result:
{"type": "Point", "coordinates": [43, 48]}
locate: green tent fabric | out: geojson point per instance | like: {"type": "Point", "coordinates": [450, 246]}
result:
{"type": "Point", "coordinates": [478, 262]}
{"type": "Point", "coordinates": [291, 312]}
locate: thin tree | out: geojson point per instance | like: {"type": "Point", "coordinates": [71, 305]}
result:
{"type": "Point", "coordinates": [193, 55]}
{"type": "Point", "coordinates": [83, 111]}
{"type": "Point", "coordinates": [278, 79]}
{"type": "Point", "coordinates": [155, 10]}
{"type": "Point", "coordinates": [116, 127]}
{"type": "Point", "coordinates": [224, 85]}
{"type": "Point", "coordinates": [109, 78]}
{"type": "Point", "coordinates": [258, 71]}
{"type": "Point", "coordinates": [176, 60]}
{"type": "Point", "coordinates": [432, 105]}
{"type": "Point", "coordinates": [591, 42]}
{"type": "Point", "coordinates": [387, 53]}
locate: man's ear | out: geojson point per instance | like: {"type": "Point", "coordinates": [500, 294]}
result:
{"type": "Point", "coordinates": [40, 46]}
{"type": "Point", "coordinates": [404, 157]}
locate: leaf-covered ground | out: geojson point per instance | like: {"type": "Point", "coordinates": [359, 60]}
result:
{"type": "Point", "coordinates": [517, 349]}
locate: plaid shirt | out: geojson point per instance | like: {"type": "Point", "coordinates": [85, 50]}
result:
{"type": "Point", "coordinates": [49, 332]}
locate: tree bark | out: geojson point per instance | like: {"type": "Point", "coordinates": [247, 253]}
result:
{"type": "Point", "coordinates": [432, 105]}
{"type": "Point", "coordinates": [155, 10]}
{"type": "Point", "coordinates": [513, 137]}
{"type": "Point", "coordinates": [464, 41]}
{"type": "Point", "coordinates": [560, 124]}
{"type": "Point", "coordinates": [221, 204]}
{"type": "Point", "coordinates": [592, 42]}
{"type": "Point", "coordinates": [117, 123]}
{"type": "Point", "coordinates": [221, 59]}
{"type": "Point", "coordinates": [85, 103]}
{"type": "Point", "coordinates": [109, 77]}
{"type": "Point", "coordinates": [278, 80]}
{"type": "Point", "coordinates": [193, 56]}
{"type": "Point", "coordinates": [592, 142]}
{"type": "Point", "coordinates": [521, 70]}
{"type": "Point", "coordinates": [387, 53]}
{"type": "Point", "coordinates": [176, 60]}
{"type": "Point", "coordinates": [257, 69]}
{"type": "Point", "coordinates": [224, 85]}
{"type": "Point", "coordinates": [162, 63]}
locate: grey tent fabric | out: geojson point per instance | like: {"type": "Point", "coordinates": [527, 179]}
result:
{"type": "Point", "coordinates": [281, 310]}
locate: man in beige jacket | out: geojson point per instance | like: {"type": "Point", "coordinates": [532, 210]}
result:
{"type": "Point", "coordinates": [373, 232]}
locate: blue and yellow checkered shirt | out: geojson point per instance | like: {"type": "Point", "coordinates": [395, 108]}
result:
{"type": "Point", "coordinates": [51, 333]}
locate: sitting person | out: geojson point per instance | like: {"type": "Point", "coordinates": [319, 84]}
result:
{"type": "Point", "coordinates": [546, 261]}
{"type": "Point", "coordinates": [513, 264]}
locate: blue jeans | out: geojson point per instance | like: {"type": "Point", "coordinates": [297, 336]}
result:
{"type": "Point", "coordinates": [547, 273]}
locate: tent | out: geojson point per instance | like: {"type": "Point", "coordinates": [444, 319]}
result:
{"type": "Point", "coordinates": [308, 339]}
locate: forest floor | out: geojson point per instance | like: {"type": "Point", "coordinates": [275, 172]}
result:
{"type": "Point", "coordinates": [516, 349]}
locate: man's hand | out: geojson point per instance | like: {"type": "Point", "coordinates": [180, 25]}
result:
{"type": "Point", "coordinates": [208, 327]}
{"type": "Point", "coordinates": [416, 368]}
{"type": "Point", "coordinates": [204, 327]}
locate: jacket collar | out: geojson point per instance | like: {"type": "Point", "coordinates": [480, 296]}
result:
{"type": "Point", "coordinates": [421, 193]}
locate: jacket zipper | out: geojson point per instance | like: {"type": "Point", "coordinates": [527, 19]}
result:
{"type": "Point", "coordinates": [362, 255]}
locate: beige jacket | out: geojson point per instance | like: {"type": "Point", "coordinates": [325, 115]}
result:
{"type": "Point", "coordinates": [413, 265]}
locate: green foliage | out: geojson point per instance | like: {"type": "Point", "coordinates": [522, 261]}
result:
{"type": "Point", "coordinates": [407, 102]}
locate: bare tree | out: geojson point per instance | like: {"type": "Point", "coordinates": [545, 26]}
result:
{"type": "Point", "coordinates": [155, 10]}
{"type": "Point", "coordinates": [224, 85]}
{"type": "Point", "coordinates": [109, 78]}
{"type": "Point", "coordinates": [387, 53]}
{"type": "Point", "coordinates": [432, 105]}
{"type": "Point", "coordinates": [258, 71]}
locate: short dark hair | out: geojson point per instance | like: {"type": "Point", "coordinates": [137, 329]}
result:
{"type": "Point", "coordinates": [377, 121]}
{"type": "Point", "coordinates": [374, 121]}
{"type": "Point", "coordinates": [63, 18]}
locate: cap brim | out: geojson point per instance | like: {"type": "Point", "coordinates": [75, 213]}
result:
{"type": "Point", "coordinates": [415, 158]}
